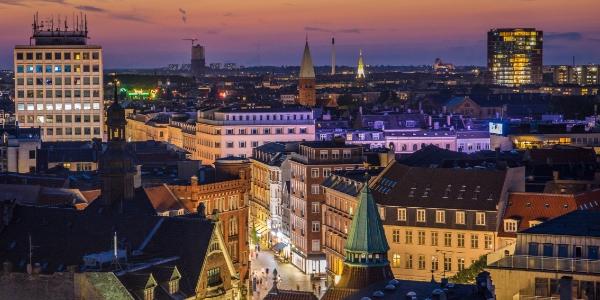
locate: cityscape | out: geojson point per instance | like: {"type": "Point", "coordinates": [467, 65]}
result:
{"type": "Point", "coordinates": [300, 150]}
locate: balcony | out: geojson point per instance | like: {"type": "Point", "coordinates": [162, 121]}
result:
{"type": "Point", "coordinates": [551, 264]}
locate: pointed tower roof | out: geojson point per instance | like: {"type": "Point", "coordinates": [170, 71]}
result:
{"type": "Point", "coordinates": [360, 70]}
{"type": "Point", "coordinates": [307, 70]}
{"type": "Point", "coordinates": [366, 235]}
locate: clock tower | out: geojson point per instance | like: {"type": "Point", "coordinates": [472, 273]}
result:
{"type": "Point", "coordinates": [116, 164]}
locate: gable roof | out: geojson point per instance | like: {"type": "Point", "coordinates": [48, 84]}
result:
{"type": "Point", "coordinates": [366, 233]}
{"type": "Point", "coordinates": [62, 237]}
{"type": "Point", "coordinates": [473, 189]}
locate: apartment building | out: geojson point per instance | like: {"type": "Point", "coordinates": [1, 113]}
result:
{"type": "Point", "coordinates": [555, 259]}
{"type": "Point", "coordinates": [269, 195]}
{"type": "Point", "coordinates": [314, 162]}
{"type": "Point", "coordinates": [18, 149]}
{"type": "Point", "coordinates": [437, 221]}
{"type": "Point", "coordinates": [235, 131]}
{"type": "Point", "coordinates": [59, 84]}
{"type": "Point", "coordinates": [341, 191]}
{"type": "Point", "coordinates": [223, 200]}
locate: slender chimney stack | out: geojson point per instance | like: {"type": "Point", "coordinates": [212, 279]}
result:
{"type": "Point", "coordinates": [332, 56]}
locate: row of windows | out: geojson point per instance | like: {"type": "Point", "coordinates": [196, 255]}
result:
{"type": "Point", "coordinates": [266, 117]}
{"type": "Point", "coordinates": [50, 81]}
{"type": "Point", "coordinates": [447, 239]}
{"type": "Point", "coordinates": [59, 118]}
{"type": "Point", "coordinates": [421, 262]}
{"type": "Point", "coordinates": [47, 69]}
{"type": "Point", "coordinates": [254, 131]}
{"type": "Point", "coordinates": [39, 94]}
{"type": "Point", "coordinates": [440, 216]}
{"type": "Point", "coordinates": [57, 106]}
{"type": "Point", "coordinates": [58, 55]}
{"type": "Point", "coordinates": [72, 131]}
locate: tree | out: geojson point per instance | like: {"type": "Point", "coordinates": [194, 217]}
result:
{"type": "Point", "coordinates": [469, 274]}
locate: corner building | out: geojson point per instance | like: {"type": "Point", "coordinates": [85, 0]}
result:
{"type": "Point", "coordinates": [59, 84]}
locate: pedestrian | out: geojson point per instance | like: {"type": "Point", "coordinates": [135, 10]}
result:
{"type": "Point", "coordinates": [319, 289]}
{"type": "Point", "coordinates": [297, 287]}
{"type": "Point", "coordinates": [313, 287]}
{"type": "Point", "coordinates": [260, 281]}
{"type": "Point", "coordinates": [267, 269]}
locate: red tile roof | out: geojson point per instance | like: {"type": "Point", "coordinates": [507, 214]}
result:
{"type": "Point", "coordinates": [526, 207]}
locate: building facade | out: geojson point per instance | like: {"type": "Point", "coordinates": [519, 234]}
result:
{"type": "Point", "coordinates": [314, 162]}
{"type": "Point", "coordinates": [59, 85]}
{"type": "Point", "coordinates": [269, 210]}
{"type": "Point", "coordinates": [558, 258]}
{"type": "Point", "coordinates": [227, 201]}
{"type": "Point", "coordinates": [583, 75]}
{"type": "Point", "coordinates": [437, 222]}
{"type": "Point", "coordinates": [235, 131]}
{"type": "Point", "coordinates": [515, 56]}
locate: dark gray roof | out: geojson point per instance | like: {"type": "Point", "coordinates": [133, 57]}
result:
{"type": "Point", "coordinates": [474, 189]}
{"type": "Point", "coordinates": [576, 223]}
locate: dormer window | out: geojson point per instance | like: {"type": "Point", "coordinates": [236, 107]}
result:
{"type": "Point", "coordinates": [149, 293]}
{"type": "Point", "coordinates": [510, 225]}
{"type": "Point", "coordinates": [533, 223]}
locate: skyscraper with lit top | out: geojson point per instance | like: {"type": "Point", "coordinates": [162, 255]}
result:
{"type": "Point", "coordinates": [58, 82]}
{"type": "Point", "coordinates": [515, 56]}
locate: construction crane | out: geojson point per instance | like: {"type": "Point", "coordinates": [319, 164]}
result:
{"type": "Point", "coordinates": [191, 40]}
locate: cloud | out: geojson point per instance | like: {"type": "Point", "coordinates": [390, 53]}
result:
{"type": "Point", "coordinates": [352, 30]}
{"type": "Point", "coordinates": [318, 29]}
{"type": "Point", "coordinates": [129, 17]}
{"type": "Point", "coordinates": [228, 14]}
{"type": "Point", "coordinates": [568, 36]}
{"type": "Point", "coordinates": [341, 30]}
{"type": "Point", "coordinates": [24, 2]}
{"type": "Point", "coordinates": [213, 31]}
{"type": "Point", "coordinates": [90, 8]}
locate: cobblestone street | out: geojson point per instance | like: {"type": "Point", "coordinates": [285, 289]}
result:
{"type": "Point", "coordinates": [291, 277]}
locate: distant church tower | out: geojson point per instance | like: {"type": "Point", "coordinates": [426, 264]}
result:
{"type": "Point", "coordinates": [360, 69]}
{"type": "Point", "coordinates": [366, 250]}
{"type": "Point", "coordinates": [116, 164]}
{"type": "Point", "coordinates": [307, 95]}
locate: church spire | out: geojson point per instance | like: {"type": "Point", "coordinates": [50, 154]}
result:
{"type": "Point", "coordinates": [307, 69]}
{"type": "Point", "coordinates": [360, 69]}
{"type": "Point", "coordinates": [307, 94]}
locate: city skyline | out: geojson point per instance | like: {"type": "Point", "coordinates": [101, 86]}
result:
{"type": "Point", "coordinates": [272, 32]}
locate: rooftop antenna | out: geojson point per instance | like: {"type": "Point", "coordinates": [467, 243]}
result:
{"type": "Point", "coordinates": [31, 247]}
{"type": "Point", "coordinates": [115, 261]}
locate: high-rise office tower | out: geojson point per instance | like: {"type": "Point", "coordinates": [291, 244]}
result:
{"type": "Point", "coordinates": [307, 95]}
{"type": "Point", "coordinates": [515, 56]}
{"type": "Point", "coordinates": [198, 60]}
{"type": "Point", "coordinates": [58, 82]}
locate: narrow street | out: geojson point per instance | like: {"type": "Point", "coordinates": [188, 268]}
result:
{"type": "Point", "coordinates": [291, 277]}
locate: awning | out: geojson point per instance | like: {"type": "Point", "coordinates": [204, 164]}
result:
{"type": "Point", "coordinates": [260, 229]}
{"type": "Point", "coordinates": [279, 246]}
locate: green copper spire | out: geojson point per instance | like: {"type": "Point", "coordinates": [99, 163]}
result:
{"type": "Point", "coordinates": [366, 236]}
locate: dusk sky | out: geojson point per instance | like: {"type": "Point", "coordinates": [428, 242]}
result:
{"type": "Point", "coordinates": [149, 33]}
